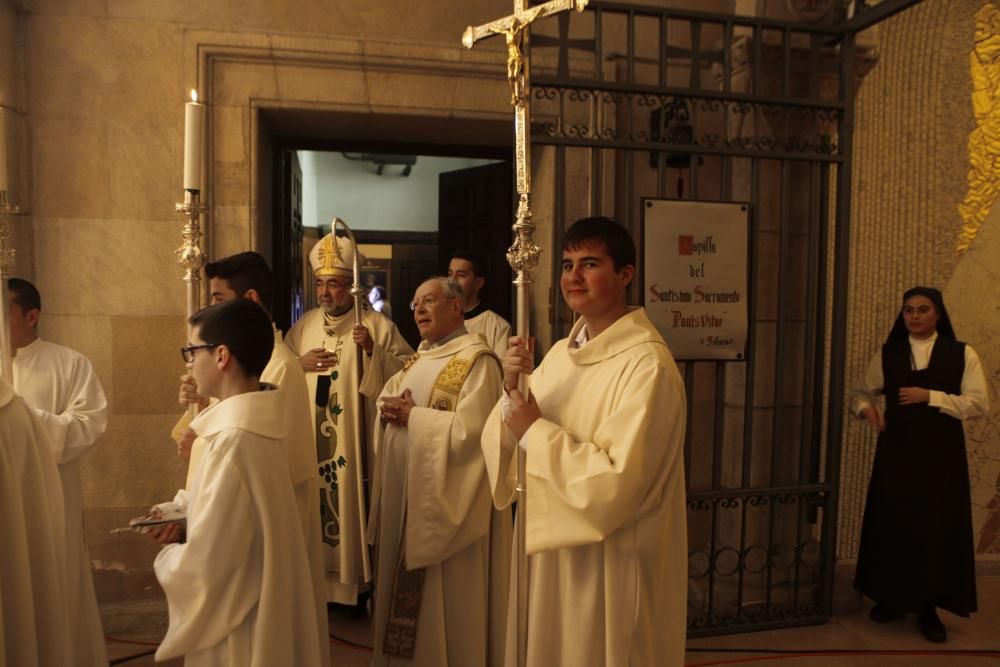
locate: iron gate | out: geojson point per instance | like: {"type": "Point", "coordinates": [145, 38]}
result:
{"type": "Point", "coordinates": [650, 102]}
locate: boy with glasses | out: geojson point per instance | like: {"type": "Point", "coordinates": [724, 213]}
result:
{"type": "Point", "coordinates": [238, 588]}
{"type": "Point", "coordinates": [247, 276]}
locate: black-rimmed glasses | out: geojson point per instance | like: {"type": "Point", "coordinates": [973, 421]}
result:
{"type": "Point", "coordinates": [187, 352]}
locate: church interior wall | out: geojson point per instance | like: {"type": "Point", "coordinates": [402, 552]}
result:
{"type": "Point", "coordinates": [104, 87]}
{"type": "Point", "coordinates": [14, 115]}
{"type": "Point", "coordinates": [98, 88]}
{"type": "Point", "coordinates": [911, 171]}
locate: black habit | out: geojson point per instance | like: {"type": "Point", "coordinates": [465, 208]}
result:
{"type": "Point", "coordinates": [916, 537]}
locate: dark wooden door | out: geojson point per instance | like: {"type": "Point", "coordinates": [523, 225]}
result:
{"type": "Point", "coordinates": [412, 264]}
{"type": "Point", "coordinates": [289, 299]}
{"type": "Point", "coordinates": [475, 212]}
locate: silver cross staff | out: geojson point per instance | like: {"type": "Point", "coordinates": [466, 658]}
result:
{"type": "Point", "coordinates": [523, 254]}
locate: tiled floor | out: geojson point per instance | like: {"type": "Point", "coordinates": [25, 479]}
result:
{"type": "Point", "coordinates": [843, 632]}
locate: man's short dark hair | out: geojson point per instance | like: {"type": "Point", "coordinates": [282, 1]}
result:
{"type": "Point", "coordinates": [25, 294]}
{"type": "Point", "coordinates": [244, 272]}
{"type": "Point", "coordinates": [471, 258]}
{"type": "Point", "coordinates": [242, 326]}
{"type": "Point", "coordinates": [612, 235]}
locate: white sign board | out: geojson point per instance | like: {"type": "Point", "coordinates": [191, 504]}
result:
{"type": "Point", "coordinates": [695, 276]}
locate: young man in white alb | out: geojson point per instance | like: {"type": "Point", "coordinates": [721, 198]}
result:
{"type": "Point", "coordinates": [238, 587]}
{"type": "Point", "coordinates": [466, 270]}
{"type": "Point", "coordinates": [603, 432]}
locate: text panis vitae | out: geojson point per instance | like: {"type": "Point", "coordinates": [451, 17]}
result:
{"type": "Point", "coordinates": [697, 294]}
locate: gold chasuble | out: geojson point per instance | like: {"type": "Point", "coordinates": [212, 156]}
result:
{"type": "Point", "coordinates": [443, 550]}
{"type": "Point", "coordinates": [606, 522]}
{"type": "Point", "coordinates": [335, 404]}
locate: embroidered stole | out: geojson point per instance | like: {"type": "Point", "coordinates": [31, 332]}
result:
{"type": "Point", "coordinates": [408, 591]}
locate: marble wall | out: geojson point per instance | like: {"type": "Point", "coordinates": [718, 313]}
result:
{"type": "Point", "coordinates": [103, 85]}
{"type": "Point", "coordinates": [13, 124]}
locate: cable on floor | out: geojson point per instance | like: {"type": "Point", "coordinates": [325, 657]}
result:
{"type": "Point", "coordinates": [785, 654]}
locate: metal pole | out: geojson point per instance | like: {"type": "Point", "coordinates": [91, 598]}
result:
{"type": "Point", "coordinates": [523, 254]}
{"type": "Point", "coordinates": [838, 330]}
{"type": "Point", "coordinates": [358, 292]}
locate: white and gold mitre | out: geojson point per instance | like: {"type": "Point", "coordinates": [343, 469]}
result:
{"type": "Point", "coordinates": [333, 256]}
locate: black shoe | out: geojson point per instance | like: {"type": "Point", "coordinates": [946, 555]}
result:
{"type": "Point", "coordinates": [882, 614]}
{"type": "Point", "coordinates": [931, 626]}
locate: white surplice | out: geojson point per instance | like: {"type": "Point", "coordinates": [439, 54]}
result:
{"type": "Point", "coordinates": [432, 473]}
{"type": "Point", "coordinates": [284, 372]}
{"type": "Point", "coordinates": [606, 518]}
{"type": "Point", "coordinates": [34, 623]}
{"type": "Point", "coordinates": [62, 388]}
{"type": "Point", "coordinates": [239, 591]}
{"type": "Point", "coordinates": [493, 328]}
{"type": "Point", "coordinates": [339, 425]}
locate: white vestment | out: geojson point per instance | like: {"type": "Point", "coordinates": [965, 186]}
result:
{"type": "Point", "coordinates": [493, 328]}
{"type": "Point", "coordinates": [239, 590]}
{"type": "Point", "coordinates": [34, 623]}
{"type": "Point", "coordinates": [433, 494]}
{"type": "Point", "coordinates": [62, 388]}
{"type": "Point", "coordinates": [606, 515]}
{"type": "Point", "coordinates": [284, 372]}
{"type": "Point", "coordinates": [337, 431]}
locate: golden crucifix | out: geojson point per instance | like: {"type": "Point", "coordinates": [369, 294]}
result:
{"type": "Point", "coordinates": [523, 254]}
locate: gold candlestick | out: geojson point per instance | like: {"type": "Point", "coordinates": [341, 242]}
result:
{"type": "Point", "coordinates": [190, 256]}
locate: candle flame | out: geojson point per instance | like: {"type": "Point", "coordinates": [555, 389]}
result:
{"type": "Point", "coordinates": [194, 95]}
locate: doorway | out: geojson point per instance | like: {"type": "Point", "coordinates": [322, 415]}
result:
{"type": "Point", "coordinates": [415, 203]}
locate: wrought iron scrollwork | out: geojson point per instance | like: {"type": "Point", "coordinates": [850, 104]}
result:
{"type": "Point", "coordinates": [722, 565]}
{"type": "Point", "coordinates": [622, 119]}
{"type": "Point", "coordinates": [699, 504]}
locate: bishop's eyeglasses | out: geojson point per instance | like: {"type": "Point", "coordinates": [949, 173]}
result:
{"type": "Point", "coordinates": [187, 352]}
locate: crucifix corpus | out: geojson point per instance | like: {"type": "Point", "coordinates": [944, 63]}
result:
{"type": "Point", "coordinates": [523, 254]}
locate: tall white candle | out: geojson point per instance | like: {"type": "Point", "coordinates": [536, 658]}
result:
{"type": "Point", "coordinates": [194, 135]}
{"type": "Point", "coordinates": [3, 149]}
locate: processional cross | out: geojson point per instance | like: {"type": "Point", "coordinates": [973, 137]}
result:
{"type": "Point", "coordinates": [523, 254]}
